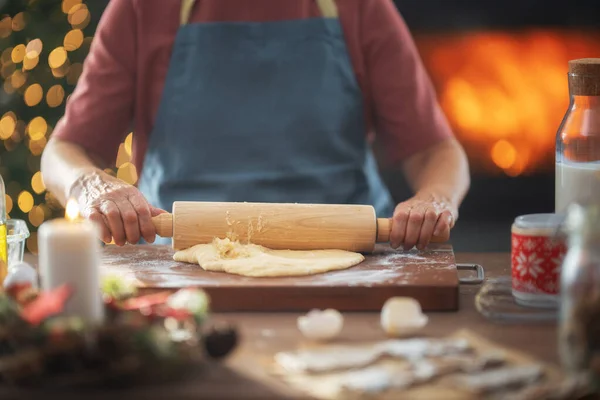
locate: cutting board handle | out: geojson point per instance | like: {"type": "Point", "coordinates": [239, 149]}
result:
{"type": "Point", "coordinates": [164, 225]}
{"type": "Point", "coordinates": [384, 228]}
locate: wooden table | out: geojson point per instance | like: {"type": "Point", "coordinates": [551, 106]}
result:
{"type": "Point", "coordinates": [244, 375]}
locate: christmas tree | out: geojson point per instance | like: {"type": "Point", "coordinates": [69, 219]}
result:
{"type": "Point", "coordinates": [43, 44]}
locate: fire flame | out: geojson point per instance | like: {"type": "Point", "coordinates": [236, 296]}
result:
{"type": "Point", "coordinates": [72, 210]}
{"type": "Point", "coordinates": [505, 93]}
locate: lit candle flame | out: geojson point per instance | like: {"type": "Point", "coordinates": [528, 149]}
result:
{"type": "Point", "coordinates": [72, 210]}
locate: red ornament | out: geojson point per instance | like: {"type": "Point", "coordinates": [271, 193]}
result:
{"type": "Point", "coordinates": [46, 305]}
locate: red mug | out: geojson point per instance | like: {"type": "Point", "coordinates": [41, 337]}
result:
{"type": "Point", "coordinates": [538, 248]}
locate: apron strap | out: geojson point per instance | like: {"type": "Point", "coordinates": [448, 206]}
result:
{"type": "Point", "coordinates": [328, 9]}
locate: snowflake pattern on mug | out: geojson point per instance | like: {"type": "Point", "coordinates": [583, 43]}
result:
{"type": "Point", "coordinates": [536, 263]}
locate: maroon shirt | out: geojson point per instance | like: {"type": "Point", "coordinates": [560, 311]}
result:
{"type": "Point", "coordinates": [124, 73]}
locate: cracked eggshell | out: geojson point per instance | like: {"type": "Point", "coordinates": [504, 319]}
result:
{"type": "Point", "coordinates": [321, 325]}
{"type": "Point", "coordinates": [402, 316]}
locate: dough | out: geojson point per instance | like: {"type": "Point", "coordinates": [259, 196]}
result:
{"type": "Point", "coordinates": [224, 255]}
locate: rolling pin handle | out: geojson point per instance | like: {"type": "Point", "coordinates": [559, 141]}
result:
{"type": "Point", "coordinates": [164, 225]}
{"type": "Point", "coordinates": [384, 228]}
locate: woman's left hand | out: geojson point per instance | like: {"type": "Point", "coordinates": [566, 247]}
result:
{"type": "Point", "coordinates": [421, 217]}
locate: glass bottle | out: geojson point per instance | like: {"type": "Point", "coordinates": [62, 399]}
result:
{"type": "Point", "coordinates": [3, 234]}
{"type": "Point", "coordinates": [578, 137]}
{"type": "Point", "coordinates": [579, 329]}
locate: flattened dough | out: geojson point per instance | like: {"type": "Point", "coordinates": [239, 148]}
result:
{"type": "Point", "coordinates": [223, 255]}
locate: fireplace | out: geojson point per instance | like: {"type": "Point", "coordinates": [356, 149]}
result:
{"type": "Point", "coordinates": [500, 71]}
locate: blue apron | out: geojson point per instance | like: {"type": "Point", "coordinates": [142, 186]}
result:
{"type": "Point", "coordinates": [262, 112]}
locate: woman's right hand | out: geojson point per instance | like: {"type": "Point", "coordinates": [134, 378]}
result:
{"type": "Point", "coordinates": [122, 212]}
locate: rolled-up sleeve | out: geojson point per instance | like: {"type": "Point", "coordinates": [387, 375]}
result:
{"type": "Point", "coordinates": [100, 109]}
{"type": "Point", "coordinates": [407, 116]}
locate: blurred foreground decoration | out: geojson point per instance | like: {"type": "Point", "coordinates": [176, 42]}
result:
{"type": "Point", "coordinates": [43, 44]}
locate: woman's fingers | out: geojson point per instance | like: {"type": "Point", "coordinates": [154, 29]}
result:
{"type": "Point", "coordinates": [399, 221]}
{"type": "Point", "coordinates": [130, 220]}
{"type": "Point", "coordinates": [445, 222]}
{"type": "Point", "coordinates": [142, 208]}
{"type": "Point", "coordinates": [101, 221]}
{"type": "Point", "coordinates": [429, 221]}
{"type": "Point", "coordinates": [115, 222]}
{"type": "Point", "coordinates": [413, 227]}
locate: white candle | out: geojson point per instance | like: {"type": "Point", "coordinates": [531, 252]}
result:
{"type": "Point", "coordinates": [69, 253]}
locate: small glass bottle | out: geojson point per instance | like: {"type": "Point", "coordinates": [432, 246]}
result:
{"type": "Point", "coordinates": [3, 234]}
{"type": "Point", "coordinates": [578, 138]}
{"type": "Point", "coordinates": [579, 330]}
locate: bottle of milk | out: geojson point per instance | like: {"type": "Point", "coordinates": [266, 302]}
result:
{"type": "Point", "coordinates": [578, 138]}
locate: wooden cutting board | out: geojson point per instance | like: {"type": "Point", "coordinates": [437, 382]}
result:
{"type": "Point", "coordinates": [430, 277]}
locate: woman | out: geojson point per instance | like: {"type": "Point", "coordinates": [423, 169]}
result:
{"type": "Point", "coordinates": [262, 100]}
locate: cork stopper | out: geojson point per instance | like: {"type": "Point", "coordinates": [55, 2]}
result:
{"type": "Point", "coordinates": [584, 77]}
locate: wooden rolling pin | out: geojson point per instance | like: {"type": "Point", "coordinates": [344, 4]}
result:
{"type": "Point", "coordinates": [276, 226]}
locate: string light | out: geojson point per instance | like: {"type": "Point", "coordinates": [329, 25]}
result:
{"type": "Point", "coordinates": [33, 95]}
{"type": "Point", "coordinates": [25, 201]}
{"type": "Point", "coordinates": [20, 69]}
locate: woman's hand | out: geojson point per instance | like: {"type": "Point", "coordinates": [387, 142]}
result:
{"type": "Point", "coordinates": [120, 209]}
{"type": "Point", "coordinates": [419, 218]}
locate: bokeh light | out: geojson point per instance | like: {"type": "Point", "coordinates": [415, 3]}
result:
{"type": "Point", "coordinates": [127, 173]}
{"type": "Point", "coordinates": [79, 16]}
{"type": "Point", "coordinates": [18, 79]}
{"type": "Point", "coordinates": [37, 128]}
{"type": "Point", "coordinates": [18, 53]}
{"type": "Point", "coordinates": [67, 5]}
{"type": "Point", "coordinates": [33, 95]}
{"type": "Point", "coordinates": [57, 57]}
{"type": "Point", "coordinates": [25, 201]}
{"type": "Point", "coordinates": [37, 146]}
{"type": "Point", "coordinates": [73, 40]}
{"type": "Point", "coordinates": [34, 48]}
{"type": "Point", "coordinates": [30, 63]}
{"type": "Point", "coordinates": [7, 125]}
{"type": "Point", "coordinates": [18, 22]}
{"type": "Point", "coordinates": [9, 203]}
{"type": "Point", "coordinates": [33, 61]}
{"type": "Point", "coordinates": [128, 143]}
{"type": "Point", "coordinates": [36, 216]}
{"type": "Point", "coordinates": [5, 27]}
{"type": "Point", "coordinates": [37, 183]}
{"type": "Point", "coordinates": [55, 96]}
